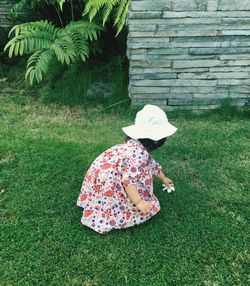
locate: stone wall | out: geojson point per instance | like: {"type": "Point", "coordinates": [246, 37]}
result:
{"type": "Point", "coordinates": [5, 6]}
{"type": "Point", "coordinates": [189, 53]}
{"type": "Point", "coordinates": [5, 18]}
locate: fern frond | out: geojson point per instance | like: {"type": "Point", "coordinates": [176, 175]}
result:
{"type": "Point", "coordinates": [60, 3]}
{"type": "Point", "coordinates": [80, 44]}
{"type": "Point", "coordinates": [29, 41]}
{"type": "Point", "coordinates": [107, 11]}
{"type": "Point", "coordinates": [107, 6]}
{"type": "Point", "coordinates": [93, 7]}
{"type": "Point", "coordinates": [119, 11]}
{"type": "Point", "coordinates": [48, 42]}
{"type": "Point", "coordinates": [88, 30]}
{"type": "Point", "coordinates": [64, 50]}
{"type": "Point", "coordinates": [18, 7]}
{"type": "Point", "coordinates": [38, 64]}
{"type": "Point", "coordinates": [30, 37]}
{"type": "Point", "coordinates": [42, 25]}
{"type": "Point", "coordinates": [121, 16]}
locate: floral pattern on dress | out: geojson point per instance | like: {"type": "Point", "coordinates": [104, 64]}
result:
{"type": "Point", "coordinates": [106, 205]}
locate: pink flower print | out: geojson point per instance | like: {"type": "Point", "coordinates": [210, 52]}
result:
{"type": "Point", "coordinates": [116, 186]}
{"type": "Point", "coordinates": [97, 208]}
{"type": "Point", "coordinates": [128, 215]}
{"type": "Point", "coordinates": [88, 213]}
{"type": "Point", "coordinates": [125, 169]}
{"type": "Point", "coordinates": [83, 197]}
{"type": "Point", "coordinates": [125, 183]}
{"type": "Point", "coordinates": [155, 209]}
{"type": "Point", "coordinates": [121, 196]}
{"type": "Point", "coordinates": [123, 225]}
{"type": "Point", "coordinates": [88, 177]}
{"type": "Point", "coordinates": [133, 169]}
{"type": "Point", "coordinates": [148, 182]}
{"type": "Point", "coordinates": [109, 193]}
{"type": "Point", "coordinates": [106, 166]}
{"type": "Point", "coordinates": [122, 208]}
{"type": "Point", "coordinates": [112, 222]}
{"type": "Point", "coordinates": [107, 213]}
{"type": "Point", "coordinates": [97, 189]}
{"type": "Point", "coordinates": [108, 153]}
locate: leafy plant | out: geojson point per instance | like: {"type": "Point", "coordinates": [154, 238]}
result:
{"type": "Point", "coordinates": [19, 6]}
{"type": "Point", "coordinates": [53, 10]}
{"type": "Point", "coordinates": [116, 8]}
{"type": "Point", "coordinates": [33, 4]}
{"type": "Point", "coordinates": [47, 42]}
{"type": "Point", "coordinates": [120, 8]}
{"type": "Point", "coordinates": [96, 82]}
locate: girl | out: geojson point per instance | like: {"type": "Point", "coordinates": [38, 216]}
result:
{"type": "Point", "coordinates": [117, 191]}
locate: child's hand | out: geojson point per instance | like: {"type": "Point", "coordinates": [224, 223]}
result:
{"type": "Point", "coordinates": [166, 181]}
{"type": "Point", "coordinates": [144, 206]}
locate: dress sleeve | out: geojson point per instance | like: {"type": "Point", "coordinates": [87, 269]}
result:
{"type": "Point", "coordinates": [155, 167]}
{"type": "Point", "coordinates": [132, 167]}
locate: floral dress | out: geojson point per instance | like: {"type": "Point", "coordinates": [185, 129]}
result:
{"type": "Point", "coordinates": [106, 205]}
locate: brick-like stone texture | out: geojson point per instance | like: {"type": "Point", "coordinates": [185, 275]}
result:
{"type": "Point", "coordinates": [189, 53]}
{"type": "Point", "coordinates": [5, 18]}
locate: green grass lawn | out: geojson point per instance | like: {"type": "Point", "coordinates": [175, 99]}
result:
{"type": "Point", "coordinates": [200, 236]}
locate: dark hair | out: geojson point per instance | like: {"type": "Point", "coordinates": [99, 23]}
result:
{"type": "Point", "coordinates": [150, 144]}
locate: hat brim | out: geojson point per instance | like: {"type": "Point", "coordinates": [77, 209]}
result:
{"type": "Point", "coordinates": [156, 133]}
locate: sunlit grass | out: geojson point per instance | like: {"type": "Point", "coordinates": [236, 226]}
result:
{"type": "Point", "coordinates": [200, 236]}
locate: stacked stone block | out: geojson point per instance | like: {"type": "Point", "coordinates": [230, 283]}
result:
{"type": "Point", "coordinates": [189, 53]}
{"type": "Point", "coordinates": [5, 6]}
{"type": "Point", "coordinates": [5, 17]}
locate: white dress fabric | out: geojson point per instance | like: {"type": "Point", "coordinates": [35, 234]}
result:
{"type": "Point", "coordinates": [106, 205]}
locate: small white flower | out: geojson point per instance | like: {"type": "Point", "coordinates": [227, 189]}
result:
{"type": "Point", "coordinates": [169, 190]}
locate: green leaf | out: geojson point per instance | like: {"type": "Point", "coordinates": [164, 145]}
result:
{"type": "Point", "coordinates": [120, 7]}
{"type": "Point", "coordinates": [61, 2]}
{"type": "Point", "coordinates": [44, 42]}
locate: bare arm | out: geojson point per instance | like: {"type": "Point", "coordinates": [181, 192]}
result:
{"type": "Point", "coordinates": [133, 194]}
{"type": "Point", "coordinates": [165, 180]}
{"type": "Point", "coordinates": [135, 197]}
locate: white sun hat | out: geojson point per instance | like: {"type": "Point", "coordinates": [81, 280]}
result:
{"type": "Point", "coordinates": [150, 122]}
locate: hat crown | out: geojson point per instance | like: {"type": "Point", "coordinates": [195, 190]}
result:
{"type": "Point", "coordinates": [151, 115]}
{"type": "Point", "coordinates": [151, 122]}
